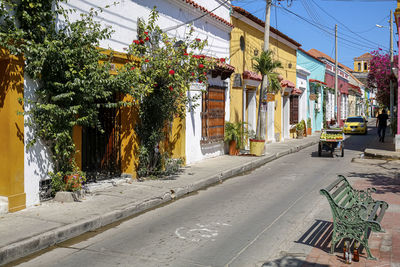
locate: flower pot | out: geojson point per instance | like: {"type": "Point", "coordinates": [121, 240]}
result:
{"type": "Point", "coordinates": [233, 151]}
{"type": "Point", "coordinates": [309, 131]}
{"type": "Point", "coordinates": [257, 147]}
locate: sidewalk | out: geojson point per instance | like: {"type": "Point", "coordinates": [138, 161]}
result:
{"type": "Point", "coordinates": [379, 169]}
{"type": "Point", "coordinates": [49, 223]}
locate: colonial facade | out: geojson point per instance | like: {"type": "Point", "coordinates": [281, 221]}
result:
{"type": "Point", "coordinates": [25, 169]}
{"type": "Point", "coordinates": [313, 99]}
{"type": "Point", "coordinates": [247, 39]}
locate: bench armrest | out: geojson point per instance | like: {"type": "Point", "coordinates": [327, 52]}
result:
{"type": "Point", "coordinates": [357, 215]}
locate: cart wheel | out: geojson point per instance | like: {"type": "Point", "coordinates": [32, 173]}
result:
{"type": "Point", "coordinates": [319, 150]}
{"type": "Point", "coordinates": [342, 152]}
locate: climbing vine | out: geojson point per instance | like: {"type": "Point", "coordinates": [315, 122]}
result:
{"type": "Point", "coordinates": [168, 68]}
{"type": "Point", "coordinates": [64, 59]}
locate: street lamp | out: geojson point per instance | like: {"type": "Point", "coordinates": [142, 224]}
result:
{"type": "Point", "coordinates": [391, 68]}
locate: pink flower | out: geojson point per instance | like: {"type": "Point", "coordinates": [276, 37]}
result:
{"type": "Point", "coordinates": [171, 72]}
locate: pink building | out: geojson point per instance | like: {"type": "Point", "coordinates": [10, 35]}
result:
{"type": "Point", "coordinates": [397, 19]}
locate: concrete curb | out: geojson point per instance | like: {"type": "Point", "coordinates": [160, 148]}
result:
{"type": "Point", "coordinates": [379, 154]}
{"type": "Point", "coordinates": [41, 241]}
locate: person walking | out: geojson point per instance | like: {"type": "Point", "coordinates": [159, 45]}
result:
{"type": "Point", "coordinates": [381, 123]}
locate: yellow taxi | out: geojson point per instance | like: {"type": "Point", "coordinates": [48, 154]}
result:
{"type": "Point", "coordinates": [356, 124]}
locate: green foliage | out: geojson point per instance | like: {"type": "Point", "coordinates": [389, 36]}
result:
{"type": "Point", "coordinates": [70, 181]}
{"type": "Point", "coordinates": [167, 68]}
{"type": "Point", "coordinates": [308, 122]}
{"type": "Point", "coordinates": [236, 131]}
{"type": "Point", "coordinates": [66, 63]}
{"type": "Point", "coordinates": [267, 65]}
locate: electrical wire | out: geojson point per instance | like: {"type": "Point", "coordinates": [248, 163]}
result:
{"type": "Point", "coordinates": [329, 31]}
{"type": "Point", "coordinates": [345, 25]}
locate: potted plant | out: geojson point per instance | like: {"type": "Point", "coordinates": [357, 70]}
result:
{"type": "Point", "coordinates": [234, 134]}
{"type": "Point", "coordinates": [299, 130]}
{"type": "Point", "coordinates": [309, 130]}
{"type": "Point", "coordinates": [266, 65]}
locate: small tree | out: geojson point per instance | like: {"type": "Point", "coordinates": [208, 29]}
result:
{"type": "Point", "coordinates": [168, 67]}
{"type": "Point", "coordinates": [266, 65]}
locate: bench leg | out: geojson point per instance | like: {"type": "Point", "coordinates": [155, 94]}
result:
{"type": "Point", "coordinates": [364, 242]}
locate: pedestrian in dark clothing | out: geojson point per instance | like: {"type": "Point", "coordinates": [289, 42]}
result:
{"type": "Point", "coordinates": [381, 123]}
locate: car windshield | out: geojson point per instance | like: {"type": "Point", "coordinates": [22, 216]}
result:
{"type": "Point", "coordinates": [355, 120]}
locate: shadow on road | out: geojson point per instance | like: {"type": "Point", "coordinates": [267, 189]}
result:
{"type": "Point", "coordinates": [289, 261]}
{"type": "Point", "coordinates": [319, 235]}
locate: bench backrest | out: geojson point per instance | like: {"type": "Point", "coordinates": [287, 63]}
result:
{"type": "Point", "coordinates": [340, 195]}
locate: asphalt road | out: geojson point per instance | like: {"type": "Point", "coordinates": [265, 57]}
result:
{"type": "Point", "coordinates": [245, 221]}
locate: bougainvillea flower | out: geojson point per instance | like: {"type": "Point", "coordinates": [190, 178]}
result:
{"type": "Point", "coordinates": [201, 66]}
{"type": "Point", "coordinates": [222, 60]}
{"type": "Point", "coordinates": [200, 81]}
{"type": "Point", "coordinates": [198, 39]}
{"type": "Point", "coordinates": [185, 54]}
{"type": "Point", "coordinates": [172, 72]}
{"type": "Point", "coordinates": [132, 68]}
{"type": "Point", "coordinates": [141, 41]}
{"type": "Point", "coordinates": [192, 73]}
{"type": "Point", "coordinates": [205, 73]}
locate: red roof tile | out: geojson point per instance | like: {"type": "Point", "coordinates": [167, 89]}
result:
{"type": "Point", "coordinates": [262, 23]}
{"type": "Point", "coordinates": [251, 75]}
{"type": "Point", "coordinates": [366, 56]}
{"type": "Point", "coordinates": [314, 57]}
{"type": "Point", "coordinates": [287, 83]}
{"type": "Point", "coordinates": [316, 81]}
{"type": "Point", "coordinates": [205, 10]}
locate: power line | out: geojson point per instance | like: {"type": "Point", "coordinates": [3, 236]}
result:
{"type": "Point", "coordinates": [345, 25]}
{"type": "Point", "coordinates": [321, 27]}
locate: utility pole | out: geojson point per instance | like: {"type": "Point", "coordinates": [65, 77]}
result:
{"type": "Point", "coordinates": [391, 69]}
{"type": "Point", "coordinates": [261, 120]}
{"type": "Point", "coordinates": [336, 78]}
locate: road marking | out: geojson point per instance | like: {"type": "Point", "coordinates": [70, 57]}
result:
{"type": "Point", "coordinates": [200, 232]}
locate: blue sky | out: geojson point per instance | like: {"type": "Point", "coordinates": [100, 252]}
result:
{"type": "Point", "coordinates": [356, 24]}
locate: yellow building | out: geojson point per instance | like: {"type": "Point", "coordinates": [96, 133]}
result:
{"type": "Point", "coordinates": [361, 63]}
{"type": "Point", "coordinates": [247, 40]}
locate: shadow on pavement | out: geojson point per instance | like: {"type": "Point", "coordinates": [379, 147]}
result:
{"type": "Point", "coordinates": [381, 182]}
{"type": "Point", "coordinates": [289, 261]}
{"type": "Point", "coordinates": [319, 235]}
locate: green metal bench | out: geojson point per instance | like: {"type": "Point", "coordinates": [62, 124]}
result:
{"type": "Point", "coordinates": [355, 212]}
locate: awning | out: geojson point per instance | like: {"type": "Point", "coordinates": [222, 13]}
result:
{"type": "Point", "coordinates": [251, 75]}
{"type": "Point", "coordinates": [286, 83]}
{"type": "Point", "coordinates": [297, 91]}
{"type": "Point", "coordinates": [316, 81]}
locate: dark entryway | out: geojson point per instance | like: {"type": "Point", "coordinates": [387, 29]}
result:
{"type": "Point", "coordinates": [101, 155]}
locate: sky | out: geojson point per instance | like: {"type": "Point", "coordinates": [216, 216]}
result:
{"type": "Point", "coordinates": [312, 24]}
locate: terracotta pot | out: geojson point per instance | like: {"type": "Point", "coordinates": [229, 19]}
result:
{"type": "Point", "coordinates": [309, 131]}
{"type": "Point", "coordinates": [233, 151]}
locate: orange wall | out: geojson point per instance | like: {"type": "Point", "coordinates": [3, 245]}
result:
{"type": "Point", "coordinates": [12, 131]}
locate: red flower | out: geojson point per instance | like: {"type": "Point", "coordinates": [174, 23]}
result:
{"type": "Point", "coordinates": [146, 60]}
{"type": "Point", "coordinates": [147, 33]}
{"type": "Point", "coordinates": [192, 73]}
{"type": "Point", "coordinates": [202, 56]}
{"type": "Point", "coordinates": [132, 68]}
{"type": "Point", "coordinates": [147, 38]}
{"type": "Point", "coordinates": [172, 72]}
{"type": "Point", "coordinates": [200, 81]}
{"type": "Point", "coordinates": [171, 88]}
{"type": "Point", "coordinates": [141, 41]}
{"type": "Point", "coordinates": [201, 66]}
{"type": "Point", "coordinates": [135, 41]}
{"type": "Point", "coordinates": [222, 60]}
{"type": "Point", "coordinates": [198, 39]}
{"type": "Point", "coordinates": [185, 54]}
{"type": "Point", "coordinates": [205, 73]}
{"type": "Point", "coordinates": [155, 85]}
